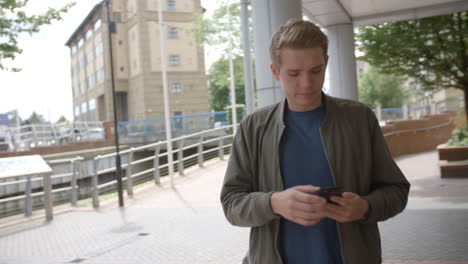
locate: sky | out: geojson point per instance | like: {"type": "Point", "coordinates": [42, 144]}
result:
{"type": "Point", "coordinates": [44, 84]}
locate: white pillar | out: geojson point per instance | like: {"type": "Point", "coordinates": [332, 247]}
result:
{"type": "Point", "coordinates": [342, 61]}
{"type": "Point", "coordinates": [268, 15]}
{"type": "Point", "coordinates": [405, 110]}
{"type": "Point", "coordinates": [379, 112]}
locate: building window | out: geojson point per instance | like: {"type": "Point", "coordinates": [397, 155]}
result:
{"type": "Point", "coordinates": [174, 60]}
{"type": "Point", "coordinates": [84, 108]}
{"type": "Point", "coordinates": [83, 86]}
{"type": "Point", "coordinates": [77, 111]}
{"type": "Point", "coordinates": [97, 24]}
{"type": "Point", "coordinates": [99, 48]}
{"type": "Point", "coordinates": [176, 88]}
{"type": "Point", "coordinates": [80, 43]}
{"type": "Point", "coordinates": [73, 50]}
{"type": "Point", "coordinates": [172, 32]}
{"type": "Point", "coordinates": [82, 63]}
{"type": "Point", "coordinates": [100, 75]}
{"type": "Point", "coordinates": [89, 33]}
{"type": "Point", "coordinates": [89, 56]}
{"type": "Point", "coordinates": [171, 5]}
{"type": "Point", "coordinates": [92, 104]}
{"type": "Point", "coordinates": [92, 81]}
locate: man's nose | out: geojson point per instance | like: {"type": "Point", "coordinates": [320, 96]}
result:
{"type": "Point", "coordinates": [306, 80]}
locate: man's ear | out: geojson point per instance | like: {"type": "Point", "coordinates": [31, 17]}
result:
{"type": "Point", "coordinates": [274, 71]}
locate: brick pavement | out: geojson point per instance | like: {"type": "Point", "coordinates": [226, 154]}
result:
{"type": "Point", "coordinates": [186, 225]}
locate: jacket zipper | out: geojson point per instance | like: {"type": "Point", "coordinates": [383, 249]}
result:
{"type": "Point", "coordinates": [278, 223]}
{"type": "Point", "coordinates": [334, 181]}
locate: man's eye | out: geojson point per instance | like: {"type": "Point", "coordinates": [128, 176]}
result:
{"type": "Point", "coordinates": [293, 74]}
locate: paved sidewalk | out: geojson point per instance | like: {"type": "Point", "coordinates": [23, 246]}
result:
{"type": "Point", "coordinates": [187, 225]}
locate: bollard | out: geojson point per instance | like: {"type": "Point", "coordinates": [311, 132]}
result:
{"type": "Point", "coordinates": [157, 173]}
{"type": "Point", "coordinates": [48, 197]}
{"type": "Point", "coordinates": [181, 158]}
{"type": "Point", "coordinates": [28, 201]}
{"type": "Point", "coordinates": [200, 152]}
{"type": "Point", "coordinates": [221, 148]}
{"type": "Point", "coordinates": [74, 194]}
{"type": "Point", "coordinates": [129, 173]}
{"type": "Point", "coordinates": [94, 182]}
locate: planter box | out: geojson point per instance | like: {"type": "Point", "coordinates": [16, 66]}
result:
{"type": "Point", "coordinates": [453, 161]}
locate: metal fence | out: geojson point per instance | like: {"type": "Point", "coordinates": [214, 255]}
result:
{"type": "Point", "coordinates": [220, 137]}
{"type": "Point", "coordinates": [180, 123]}
{"type": "Point", "coordinates": [33, 135]}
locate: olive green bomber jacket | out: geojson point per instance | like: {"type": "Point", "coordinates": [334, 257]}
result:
{"type": "Point", "coordinates": [359, 160]}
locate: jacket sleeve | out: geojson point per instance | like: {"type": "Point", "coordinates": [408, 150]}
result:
{"type": "Point", "coordinates": [389, 187]}
{"type": "Point", "coordinates": [243, 205]}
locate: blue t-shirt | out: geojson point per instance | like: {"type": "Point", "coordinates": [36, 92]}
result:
{"type": "Point", "coordinates": [303, 162]}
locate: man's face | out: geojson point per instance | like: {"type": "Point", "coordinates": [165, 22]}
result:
{"type": "Point", "coordinates": [301, 73]}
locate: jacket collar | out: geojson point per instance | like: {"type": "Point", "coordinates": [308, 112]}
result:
{"type": "Point", "coordinates": [283, 107]}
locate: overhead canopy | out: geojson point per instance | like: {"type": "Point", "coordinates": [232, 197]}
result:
{"type": "Point", "coordinates": [366, 12]}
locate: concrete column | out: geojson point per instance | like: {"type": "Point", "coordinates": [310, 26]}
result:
{"type": "Point", "coordinates": [268, 15]}
{"type": "Point", "coordinates": [342, 62]}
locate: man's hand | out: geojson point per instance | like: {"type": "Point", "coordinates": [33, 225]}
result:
{"type": "Point", "coordinates": [299, 206]}
{"type": "Point", "coordinates": [350, 207]}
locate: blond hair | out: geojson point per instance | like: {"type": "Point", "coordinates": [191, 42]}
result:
{"type": "Point", "coordinates": [296, 34]}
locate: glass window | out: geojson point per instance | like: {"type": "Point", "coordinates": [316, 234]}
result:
{"type": "Point", "coordinates": [97, 24]}
{"type": "Point", "coordinates": [176, 88]}
{"type": "Point", "coordinates": [84, 108]}
{"type": "Point", "coordinates": [82, 63]}
{"type": "Point", "coordinates": [100, 75]}
{"type": "Point", "coordinates": [172, 32]}
{"type": "Point", "coordinates": [90, 56]}
{"type": "Point", "coordinates": [77, 110]}
{"type": "Point", "coordinates": [89, 33]}
{"type": "Point", "coordinates": [73, 50]}
{"type": "Point", "coordinates": [171, 5]}
{"type": "Point", "coordinates": [92, 81]}
{"type": "Point", "coordinates": [174, 60]}
{"type": "Point", "coordinates": [92, 104]}
{"type": "Point", "coordinates": [80, 43]}
{"type": "Point", "coordinates": [99, 48]}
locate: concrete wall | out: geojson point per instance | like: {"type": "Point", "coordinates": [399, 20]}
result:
{"type": "Point", "coordinates": [419, 141]}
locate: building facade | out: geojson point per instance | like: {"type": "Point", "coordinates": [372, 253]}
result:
{"type": "Point", "coordinates": [137, 62]}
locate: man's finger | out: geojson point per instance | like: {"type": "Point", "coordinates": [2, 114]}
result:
{"type": "Point", "coordinates": [340, 200]}
{"type": "Point", "coordinates": [306, 188]}
{"type": "Point", "coordinates": [309, 198]}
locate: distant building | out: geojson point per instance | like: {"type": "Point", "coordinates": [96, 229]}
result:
{"type": "Point", "coordinates": [137, 62]}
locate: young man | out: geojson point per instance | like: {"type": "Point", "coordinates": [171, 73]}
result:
{"type": "Point", "coordinates": [282, 154]}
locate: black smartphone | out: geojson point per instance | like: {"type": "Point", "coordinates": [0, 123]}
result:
{"type": "Point", "coordinates": [327, 192]}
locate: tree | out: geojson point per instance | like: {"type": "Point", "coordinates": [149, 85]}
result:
{"type": "Point", "coordinates": [61, 120]}
{"type": "Point", "coordinates": [14, 21]}
{"type": "Point", "coordinates": [35, 118]}
{"type": "Point", "coordinates": [433, 51]}
{"type": "Point", "coordinates": [219, 83]}
{"type": "Point", "coordinates": [217, 31]}
{"type": "Point", "coordinates": [384, 89]}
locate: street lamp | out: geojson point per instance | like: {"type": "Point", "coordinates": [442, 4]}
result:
{"type": "Point", "coordinates": [118, 163]}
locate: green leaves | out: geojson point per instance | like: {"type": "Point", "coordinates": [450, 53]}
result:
{"type": "Point", "coordinates": [432, 50]}
{"type": "Point", "coordinates": [386, 89]}
{"type": "Point", "coordinates": [219, 81]}
{"type": "Point", "coordinates": [14, 21]}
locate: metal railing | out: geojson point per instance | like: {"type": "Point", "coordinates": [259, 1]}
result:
{"type": "Point", "coordinates": [221, 137]}
{"type": "Point", "coordinates": [180, 123]}
{"type": "Point", "coordinates": [33, 135]}
{"type": "Point", "coordinates": [30, 180]}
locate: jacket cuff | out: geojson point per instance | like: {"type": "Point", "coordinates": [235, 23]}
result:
{"type": "Point", "coordinates": [372, 214]}
{"type": "Point", "coordinates": [267, 210]}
